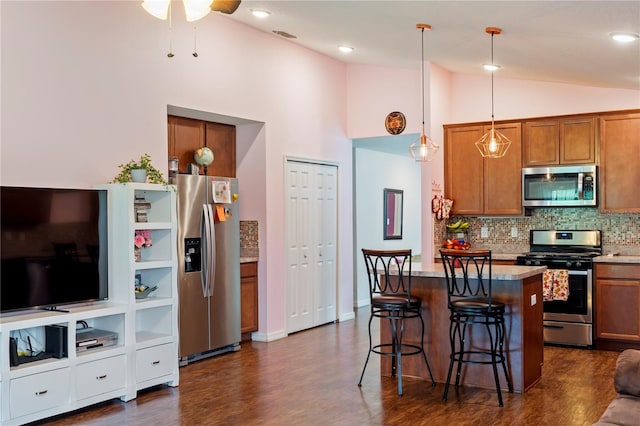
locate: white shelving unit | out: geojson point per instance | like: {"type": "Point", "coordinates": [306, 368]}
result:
{"type": "Point", "coordinates": [146, 352]}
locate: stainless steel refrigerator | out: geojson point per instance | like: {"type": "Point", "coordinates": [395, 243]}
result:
{"type": "Point", "coordinates": [209, 266]}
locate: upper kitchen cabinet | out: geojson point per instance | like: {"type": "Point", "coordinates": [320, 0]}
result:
{"type": "Point", "coordinates": [569, 140]}
{"type": "Point", "coordinates": [619, 163]}
{"type": "Point", "coordinates": [483, 186]}
{"type": "Point", "coordinates": [186, 135]}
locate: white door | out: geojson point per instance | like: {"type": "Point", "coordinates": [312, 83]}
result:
{"type": "Point", "coordinates": [311, 232]}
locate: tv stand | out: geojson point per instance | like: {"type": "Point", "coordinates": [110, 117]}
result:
{"type": "Point", "coordinates": [144, 352]}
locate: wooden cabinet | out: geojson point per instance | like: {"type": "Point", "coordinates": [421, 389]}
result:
{"type": "Point", "coordinates": [483, 186]}
{"type": "Point", "coordinates": [619, 163]}
{"type": "Point", "coordinates": [559, 141]}
{"type": "Point", "coordinates": [617, 303]}
{"type": "Point", "coordinates": [248, 299]}
{"type": "Point", "coordinates": [186, 135]}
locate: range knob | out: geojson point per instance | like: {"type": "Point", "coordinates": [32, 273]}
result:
{"type": "Point", "coordinates": [569, 264]}
{"type": "Point", "coordinates": [527, 262]}
{"type": "Point", "coordinates": [578, 264]}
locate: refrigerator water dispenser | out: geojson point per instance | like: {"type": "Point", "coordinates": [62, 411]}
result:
{"type": "Point", "coordinates": [192, 255]}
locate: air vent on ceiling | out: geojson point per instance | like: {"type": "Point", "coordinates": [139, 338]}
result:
{"type": "Point", "coordinates": [283, 34]}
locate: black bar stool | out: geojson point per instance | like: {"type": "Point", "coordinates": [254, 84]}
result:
{"type": "Point", "coordinates": [470, 303]}
{"type": "Point", "coordinates": [391, 299]}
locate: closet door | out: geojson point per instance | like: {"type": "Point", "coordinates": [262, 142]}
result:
{"type": "Point", "coordinates": [299, 212]}
{"type": "Point", "coordinates": [311, 232]}
{"type": "Point", "coordinates": [324, 255]}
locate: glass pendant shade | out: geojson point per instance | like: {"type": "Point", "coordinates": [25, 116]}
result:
{"type": "Point", "coordinates": [493, 144]}
{"type": "Point", "coordinates": [423, 149]}
{"type": "Point", "coordinates": [157, 8]}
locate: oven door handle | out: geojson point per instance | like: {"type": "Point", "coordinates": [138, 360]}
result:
{"type": "Point", "coordinates": [579, 273]}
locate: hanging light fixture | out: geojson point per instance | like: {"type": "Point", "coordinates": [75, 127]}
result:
{"type": "Point", "coordinates": [423, 149]}
{"type": "Point", "coordinates": [493, 144]}
{"type": "Point", "coordinates": [193, 9]}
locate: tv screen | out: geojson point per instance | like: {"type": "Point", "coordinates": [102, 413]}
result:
{"type": "Point", "coordinates": [53, 247]}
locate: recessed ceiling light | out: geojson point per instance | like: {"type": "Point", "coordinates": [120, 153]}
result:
{"type": "Point", "coordinates": [624, 37]}
{"type": "Point", "coordinates": [345, 49]}
{"type": "Point", "coordinates": [491, 67]}
{"type": "Point", "coordinates": [258, 13]}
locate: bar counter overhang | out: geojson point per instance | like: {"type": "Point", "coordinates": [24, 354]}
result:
{"type": "Point", "coordinates": [518, 287]}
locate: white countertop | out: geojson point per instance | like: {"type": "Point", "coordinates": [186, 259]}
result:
{"type": "Point", "coordinates": [498, 272]}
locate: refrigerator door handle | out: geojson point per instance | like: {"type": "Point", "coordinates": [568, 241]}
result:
{"type": "Point", "coordinates": [211, 259]}
{"type": "Point", "coordinates": [204, 233]}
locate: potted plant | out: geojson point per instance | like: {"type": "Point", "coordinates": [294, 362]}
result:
{"type": "Point", "coordinates": [128, 172]}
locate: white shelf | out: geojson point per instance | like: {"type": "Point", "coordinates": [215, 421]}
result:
{"type": "Point", "coordinates": [144, 326]}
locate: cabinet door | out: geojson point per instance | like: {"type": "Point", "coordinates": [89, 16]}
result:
{"type": "Point", "coordinates": [503, 176]}
{"type": "Point", "coordinates": [464, 181]}
{"type": "Point", "coordinates": [185, 137]}
{"type": "Point", "coordinates": [541, 143]}
{"type": "Point", "coordinates": [221, 139]}
{"type": "Point", "coordinates": [248, 297]}
{"type": "Point", "coordinates": [620, 165]}
{"type": "Point", "coordinates": [618, 309]}
{"type": "Point", "coordinates": [578, 141]}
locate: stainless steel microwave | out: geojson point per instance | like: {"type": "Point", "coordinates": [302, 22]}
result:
{"type": "Point", "coordinates": [559, 186]}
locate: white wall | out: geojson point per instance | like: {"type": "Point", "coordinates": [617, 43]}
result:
{"type": "Point", "coordinates": [375, 171]}
{"type": "Point", "coordinates": [86, 84]}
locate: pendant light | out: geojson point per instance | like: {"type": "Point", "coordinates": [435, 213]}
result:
{"type": "Point", "coordinates": [423, 149]}
{"type": "Point", "coordinates": [493, 144]}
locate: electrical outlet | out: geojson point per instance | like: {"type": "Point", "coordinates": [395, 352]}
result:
{"type": "Point", "coordinates": [534, 299]}
{"type": "Point", "coordinates": [514, 231]}
{"type": "Point", "coordinates": [484, 232]}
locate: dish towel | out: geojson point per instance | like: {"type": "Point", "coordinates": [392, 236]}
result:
{"type": "Point", "coordinates": [555, 285]}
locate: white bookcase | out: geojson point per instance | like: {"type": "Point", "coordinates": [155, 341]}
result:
{"type": "Point", "coordinates": [146, 352]}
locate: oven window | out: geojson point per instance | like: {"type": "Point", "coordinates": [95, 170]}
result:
{"type": "Point", "coordinates": [577, 300]}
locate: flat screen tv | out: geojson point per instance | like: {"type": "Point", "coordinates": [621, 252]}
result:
{"type": "Point", "coordinates": [53, 247]}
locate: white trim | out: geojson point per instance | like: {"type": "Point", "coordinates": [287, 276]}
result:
{"type": "Point", "coordinates": [311, 161]}
{"type": "Point", "coordinates": [268, 337]}
{"type": "Point", "coordinates": [347, 316]}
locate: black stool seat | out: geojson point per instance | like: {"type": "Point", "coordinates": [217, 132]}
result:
{"type": "Point", "coordinates": [470, 303]}
{"type": "Point", "coordinates": [391, 300]}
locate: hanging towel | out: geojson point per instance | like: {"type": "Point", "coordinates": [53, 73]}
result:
{"type": "Point", "coordinates": [561, 284]}
{"type": "Point", "coordinates": [555, 285]}
{"type": "Point", "coordinates": [547, 285]}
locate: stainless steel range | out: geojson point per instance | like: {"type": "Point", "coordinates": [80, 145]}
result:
{"type": "Point", "coordinates": [567, 322]}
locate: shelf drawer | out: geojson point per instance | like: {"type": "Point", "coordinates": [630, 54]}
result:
{"type": "Point", "coordinates": [39, 392]}
{"type": "Point", "coordinates": [156, 361]}
{"type": "Point", "coordinates": [101, 376]}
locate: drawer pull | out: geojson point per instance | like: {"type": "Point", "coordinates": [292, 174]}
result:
{"type": "Point", "coordinates": [42, 392]}
{"type": "Point", "coordinates": [155, 363]}
{"type": "Point", "coordinates": [104, 376]}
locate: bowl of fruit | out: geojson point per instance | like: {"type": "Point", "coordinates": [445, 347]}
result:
{"type": "Point", "coordinates": [142, 291]}
{"type": "Point", "coordinates": [456, 244]}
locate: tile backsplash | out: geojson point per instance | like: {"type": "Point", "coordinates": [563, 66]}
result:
{"type": "Point", "coordinates": [248, 238]}
{"type": "Point", "coordinates": [620, 231]}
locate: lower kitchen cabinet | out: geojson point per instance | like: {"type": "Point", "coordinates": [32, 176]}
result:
{"type": "Point", "coordinates": [617, 307]}
{"type": "Point", "coordinates": [248, 299]}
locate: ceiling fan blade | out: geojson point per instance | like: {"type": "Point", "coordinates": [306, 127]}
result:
{"type": "Point", "coordinates": [225, 6]}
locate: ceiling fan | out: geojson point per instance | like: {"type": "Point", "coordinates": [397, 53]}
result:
{"type": "Point", "coordinates": [225, 6]}
{"type": "Point", "coordinates": [194, 9]}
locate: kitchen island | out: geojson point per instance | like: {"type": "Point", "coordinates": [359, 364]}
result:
{"type": "Point", "coordinates": [518, 287]}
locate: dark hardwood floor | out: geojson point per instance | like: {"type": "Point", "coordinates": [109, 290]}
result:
{"type": "Point", "coordinates": [310, 378]}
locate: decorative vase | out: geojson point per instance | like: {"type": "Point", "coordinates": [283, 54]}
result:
{"type": "Point", "coordinates": [139, 175]}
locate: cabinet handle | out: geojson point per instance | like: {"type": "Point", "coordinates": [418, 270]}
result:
{"type": "Point", "coordinates": [155, 363]}
{"type": "Point", "coordinates": [104, 376]}
{"type": "Point", "coordinates": [42, 392]}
